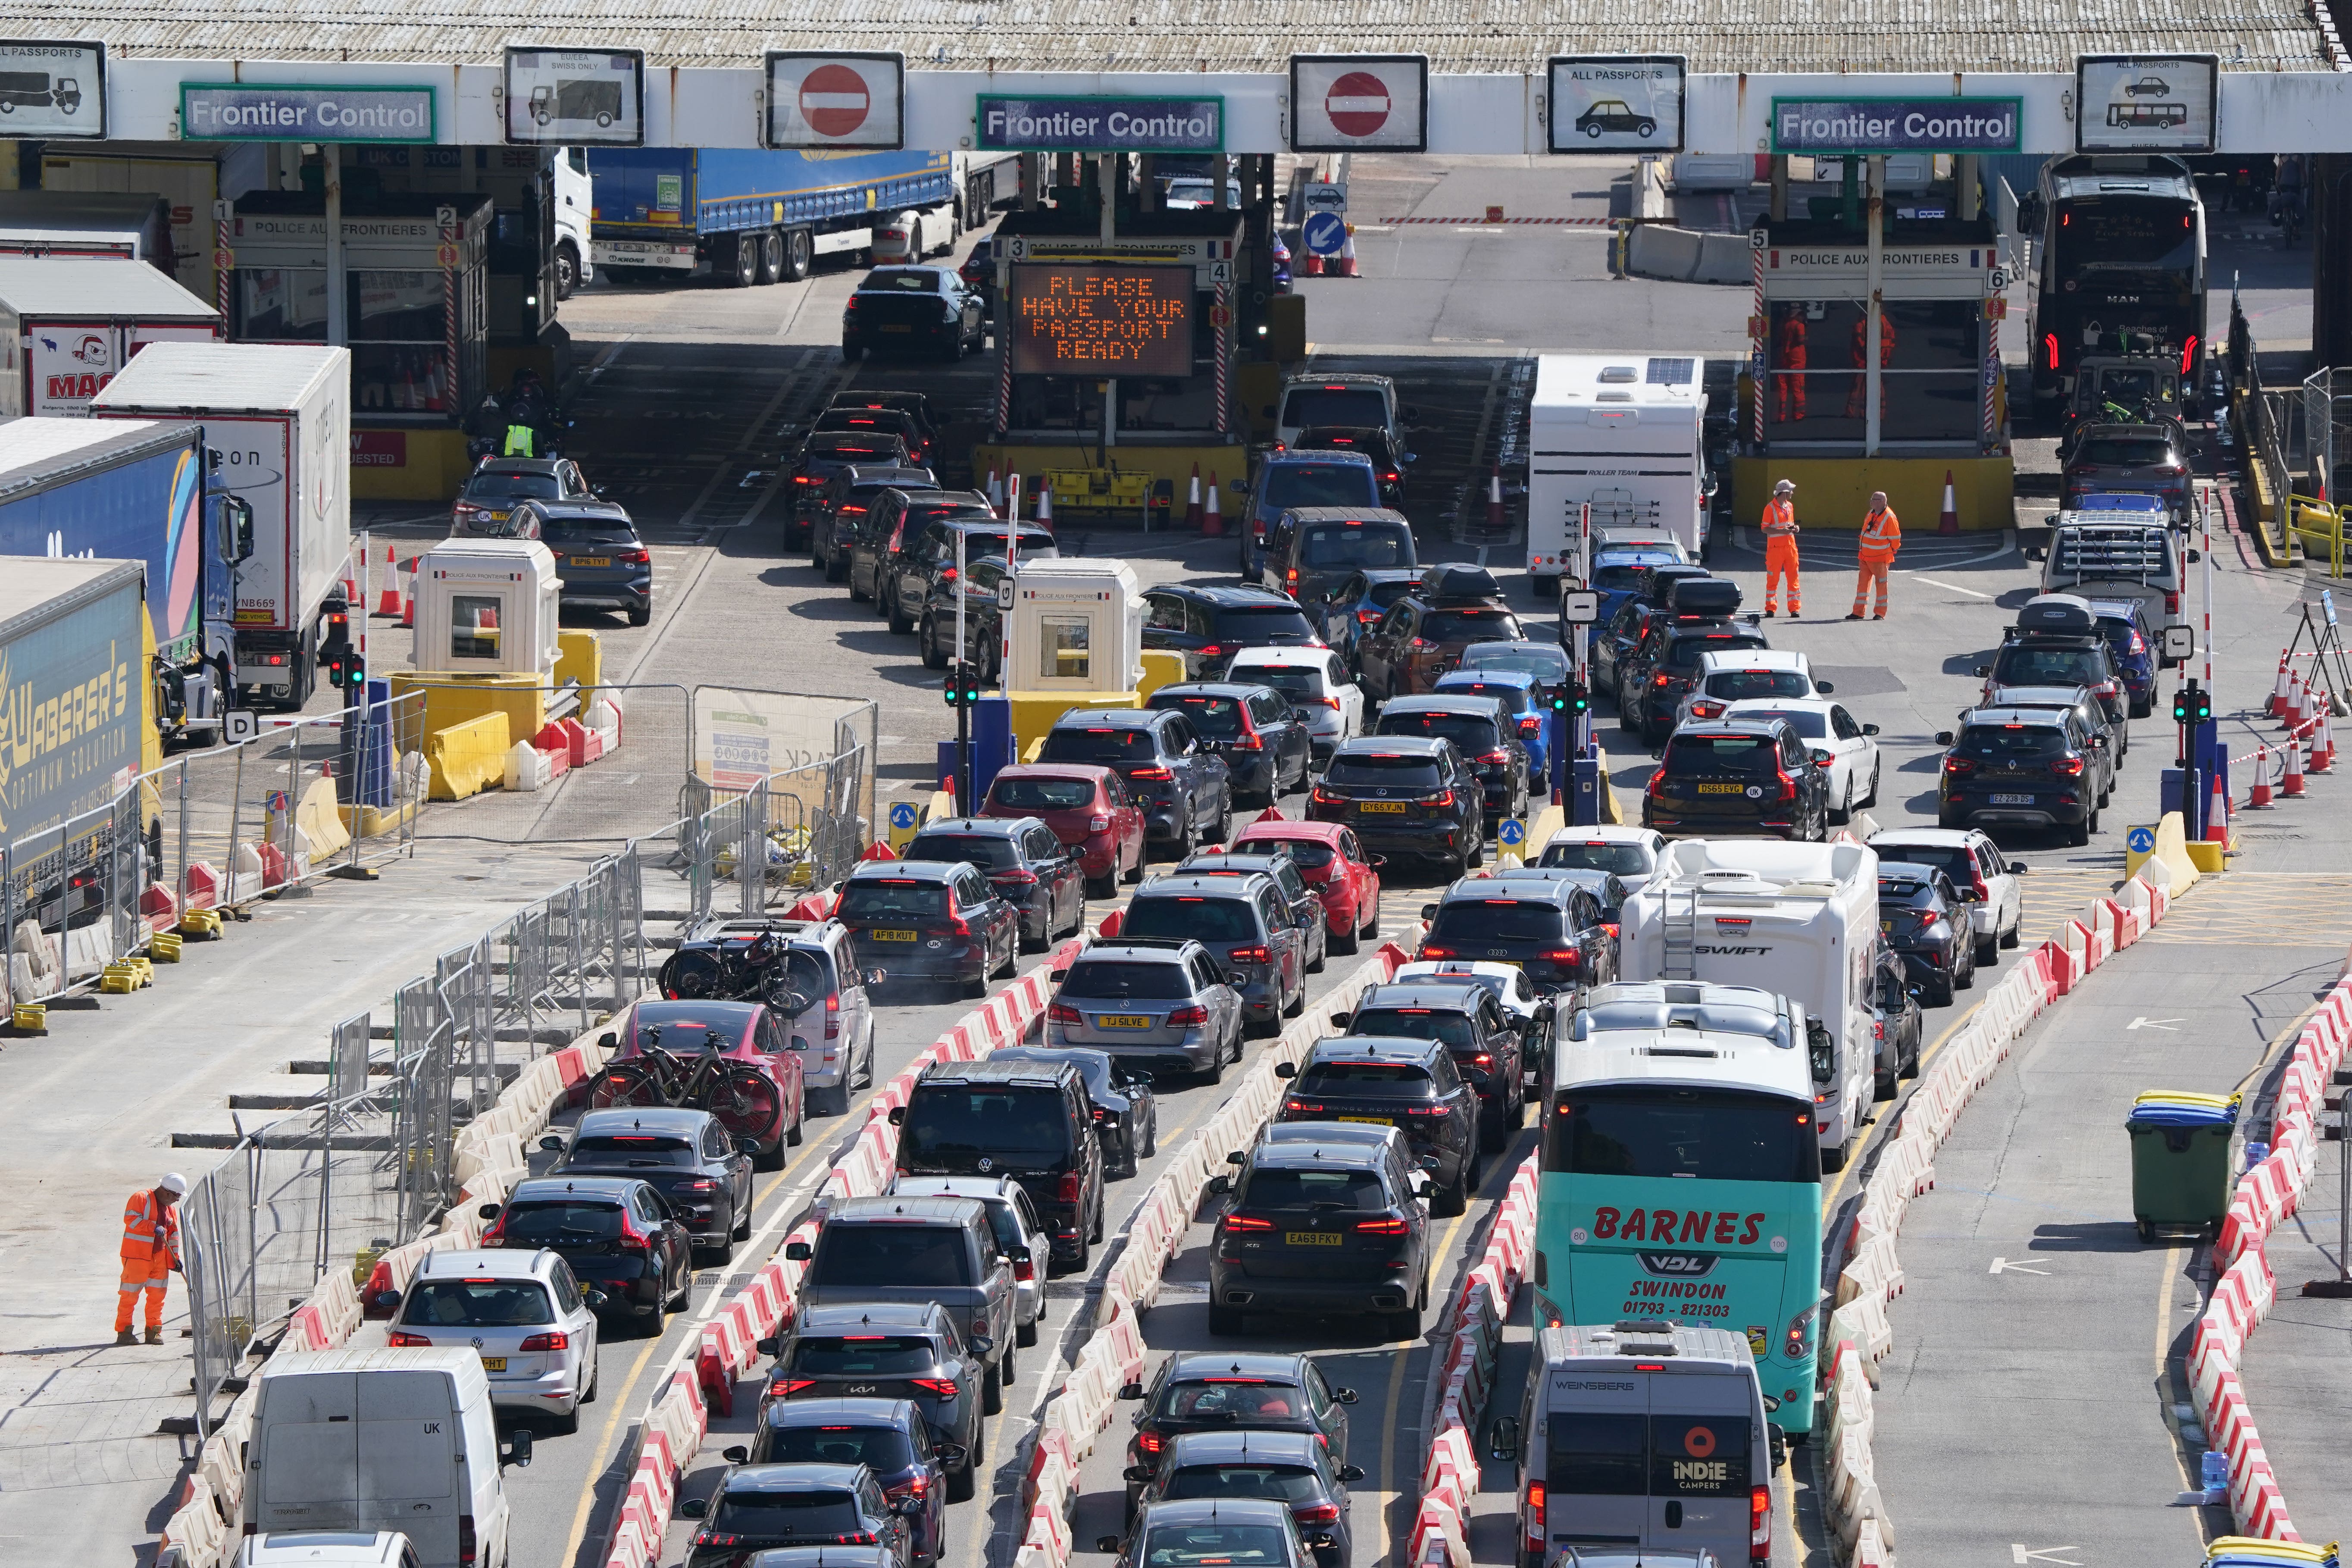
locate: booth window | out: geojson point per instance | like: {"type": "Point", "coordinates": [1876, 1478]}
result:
{"type": "Point", "coordinates": [1932, 380]}
{"type": "Point", "coordinates": [1064, 644]}
{"type": "Point", "coordinates": [1148, 406]}
{"type": "Point", "coordinates": [281, 304]}
{"type": "Point", "coordinates": [473, 625]}
{"type": "Point", "coordinates": [1813, 393]}
{"type": "Point", "coordinates": [400, 356]}
{"type": "Point", "coordinates": [1929, 360]}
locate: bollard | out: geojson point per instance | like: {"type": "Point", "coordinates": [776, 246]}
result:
{"type": "Point", "coordinates": [2294, 701]}
{"type": "Point", "coordinates": [1495, 500]}
{"type": "Point", "coordinates": [2291, 785]}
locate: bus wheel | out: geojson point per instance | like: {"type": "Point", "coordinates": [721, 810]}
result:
{"type": "Point", "coordinates": [1834, 1159]}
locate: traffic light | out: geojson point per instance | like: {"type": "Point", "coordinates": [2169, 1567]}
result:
{"type": "Point", "coordinates": [344, 669]}
{"type": "Point", "coordinates": [1571, 699]}
{"type": "Point", "coordinates": [2192, 704]}
{"type": "Point", "coordinates": [963, 687]}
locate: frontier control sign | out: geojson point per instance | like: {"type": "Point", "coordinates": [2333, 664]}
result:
{"type": "Point", "coordinates": [249, 111]}
{"type": "Point", "coordinates": [1100, 125]}
{"type": "Point", "coordinates": [1865, 125]}
{"type": "Point", "coordinates": [1102, 321]}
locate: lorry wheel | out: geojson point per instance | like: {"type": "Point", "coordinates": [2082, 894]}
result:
{"type": "Point", "coordinates": [746, 270]}
{"type": "Point", "coordinates": [771, 257]}
{"type": "Point", "coordinates": [800, 250]}
{"type": "Point", "coordinates": [567, 271]}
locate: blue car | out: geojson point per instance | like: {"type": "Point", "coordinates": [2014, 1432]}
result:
{"type": "Point", "coordinates": [1522, 697]}
{"type": "Point", "coordinates": [1357, 605]}
{"type": "Point", "coordinates": [2132, 647]}
{"type": "Point", "coordinates": [1617, 571]}
{"type": "Point", "coordinates": [1288, 480]}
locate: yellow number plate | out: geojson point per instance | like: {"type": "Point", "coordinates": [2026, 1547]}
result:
{"type": "Point", "coordinates": [892, 935]}
{"type": "Point", "coordinates": [1886, 925]}
{"type": "Point", "coordinates": [1311, 1238]}
{"type": "Point", "coordinates": [1369, 1120]}
{"type": "Point", "coordinates": [1719, 789]}
{"type": "Point", "coordinates": [1386, 807]}
{"type": "Point", "coordinates": [498, 516]}
{"type": "Point", "coordinates": [592, 560]}
{"type": "Point", "coordinates": [1110, 1021]}
{"type": "Point", "coordinates": [1755, 1340]}
{"type": "Point", "coordinates": [494, 1363]}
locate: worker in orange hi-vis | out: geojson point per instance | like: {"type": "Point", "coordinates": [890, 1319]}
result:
{"type": "Point", "coordinates": [1788, 370]}
{"type": "Point", "coordinates": [1855, 400]}
{"type": "Point", "coordinates": [1882, 536]}
{"type": "Point", "coordinates": [151, 1254]}
{"type": "Point", "coordinates": [1780, 549]}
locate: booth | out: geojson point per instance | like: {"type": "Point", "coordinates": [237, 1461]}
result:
{"type": "Point", "coordinates": [488, 636]}
{"type": "Point", "coordinates": [1074, 636]}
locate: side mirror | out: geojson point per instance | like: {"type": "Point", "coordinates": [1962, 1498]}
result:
{"type": "Point", "coordinates": [1235, 1158]}
{"type": "Point", "coordinates": [1944, 737]}
{"type": "Point", "coordinates": [909, 1508]}
{"type": "Point", "coordinates": [2036, 552]}
{"type": "Point", "coordinates": [694, 1508]}
{"type": "Point", "coordinates": [772, 1346]}
{"type": "Point", "coordinates": [1018, 1255]}
{"type": "Point", "coordinates": [1869, 729]}
{"type": "Point", "coordinates": [1983, 670]}
{"type": "Point", "coordinates": [1106, 1544]}
{"type": "Point", "coordinates": [1285, 1070]}
{"type": "Point", "coordinates": [1429, 912]}
{"type": "Point", "coordinates": [1376, 861]}
{"type": "Point", "coordinates": [1344, 1396]}
{"type": "Point", "coordinates": [553, 1143]}
{"type": "Point", "coordinates": [1218, 1185]}
{"type": "Point", "coordinates": [1826, 688]}
{"type": "Point", "coordinates": [1348, 1473]}
{"type": "Point", "coordinates": [608, 1040]}
{"type": "Point", "coordinates": [1137, 1472]}
{"type": "Point", "coordinates": [1821, 758]}
{"type": "Point", "coordinates": [739, 1455]}
{"type": "Point", "coordinates": [950, 1454]}
{"type": "Point", "coordinates": [1422, 1185]}
{"type": "Point", "coordinates": [747, 1145]}
{"type": "Point", "coordinates": [488, 1211]}
{"type": "Point", "coordinates": [2195, 556]}
{"type": "Point", "coordinates": [385, 1300]}
{"type": "Point", "coordinates": [898, 1116]}
{"type": "Point", "coordinates": [796, 1252]}
{"type": "Point", "coordinates": [518, 1449]}
{"type": "Point", "coordinates": [1342, 1019]}
{"type": "Point", "coordinates": [2017, 868]}
{"type": "Point", "coordinates": [877, 977]}
{"type": "Point", "coordinates": [596, 1299]}
{"type": "Point", "coordinates": [1502, 1438]}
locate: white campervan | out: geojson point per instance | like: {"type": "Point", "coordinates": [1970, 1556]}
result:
{"type": "Point", "coordinates": [1796, 919]}
{"type": "Point", "coordinates": [1625, 432]}
{"type": "Point", "coordinates": [368, 1440]}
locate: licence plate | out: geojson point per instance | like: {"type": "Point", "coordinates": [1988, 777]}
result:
{"type": "Point", "coordinates": [2010, 799]}
{"type": "Point", "coordinates": [499, 516]}
{"type": "Point", "coordinates": [1367, 1121]}
{"type": "Point", "coordinates": [1114, 1021]}
{"type": "Point", "coordinates": [896, 327]}
{"type": "Point", "coordinates": [494, 1363]}
{"type": "Point", "coordinates": [1311, 1238]}
{"type": "Point", "coordinates": [592, 560]}
{"type": "Point", "coordinates": [891, 935]}
{"type": "Point", "coordinates": [1385, 808]}
{"type": "Point", "coordinates": [1887, 926]}
{"type": "Point", "coordinates": [1719, 789]}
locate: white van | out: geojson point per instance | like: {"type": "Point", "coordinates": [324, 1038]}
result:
{"type": "Point", "coordinates": [1795, 918]}
{"type": "Point", "coordinates": [1642, 1438]}
{"type": "Point", "coordinates": [370, 1440]}
{"type": "Point", "coordinates": [327, 1549]}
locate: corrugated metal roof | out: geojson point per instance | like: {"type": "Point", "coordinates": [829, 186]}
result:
{"type": "Point", "coordinates": [1459, 35]}
{"type": "Point", "coordinates": [105, 287]}
{"type": "Point", "coordinates": [222, 377]}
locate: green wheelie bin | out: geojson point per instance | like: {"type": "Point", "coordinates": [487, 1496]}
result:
{"type": "Point", "coordinates": [2180, 1160]}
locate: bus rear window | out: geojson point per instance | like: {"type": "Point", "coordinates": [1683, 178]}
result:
{"type": "Point", "coordinates": [1715, 1135]}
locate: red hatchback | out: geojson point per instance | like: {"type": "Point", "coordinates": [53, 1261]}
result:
{"type": "Point", "coordinates": [1334, 864]}
{"type": "Point", "coordinates": [1089, 808]}
{"type": "Point", "coordinates": [747, 1032]}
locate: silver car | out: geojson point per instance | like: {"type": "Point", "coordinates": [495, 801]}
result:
{"type": "Point", "coordinates": [1162, 1003]}
{"type": "Point", "coordinates": [525, 1315]}
{"type": "Point", "coordinates": [1015, 1220]}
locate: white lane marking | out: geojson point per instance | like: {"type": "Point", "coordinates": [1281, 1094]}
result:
{"type": "Point", "coordinates": [2164, 1023]}
{"type": "Point", "coordinates": [2003, 1266]}
{"type": "Point", "coordinates": [2018, 1553]}
{"type": "Point", "coordinates": [1955, 587]}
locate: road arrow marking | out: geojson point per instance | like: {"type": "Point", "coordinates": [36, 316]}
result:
{"type": "Point", "coordinates": [2164, 1023]}
{"type": "Point", "coordinates": [2041, 1554]}
{"type": "Point", "coordinates": [2003, 1266]}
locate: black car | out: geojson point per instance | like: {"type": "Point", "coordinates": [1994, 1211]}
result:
{"type": "Point", "coordinates": [1608, 890]}
{"type": "Point", "coordinates": [1643, 602]}
{"type": "Point", "coordinates": [1655, 674]}
{"type": "Point", "coordinates": [1292, 1468]}
{"type": "Point", "coordinates": [1358, 603]}
{"type": "Point", "coordinates": [913, 309]}
{"type": "Point", "coordinates": [1277, 867]}
{"type": "Point", "coordinates": [2134, 649]}
{"type": "Point", "coordinates": [1246, 924]}
{"type": "Point", "coordinates": [900, 516]}
{"type": "Point", "coordinates": [1486, 736]}
{"type": "Point", "coordinates": [1387, 464]}
{"type": "Point", "coordinates": [915, 406]}
{"type": "Point", "coordinates": [2107, 740]}
{"type": "Point", "coordinates": [1265, 741]}
{"type": "Point", "coordinates": [823, 455]}
{"type": "Point", "coordinates": [617, 1233]}
{"type": "Point", "coordinates": [2024, 767]}
{"type": "Point", "coordinates": [1923, 922]}
{"type": "Point", "coordinates": [859, 420]}
{"type": "Point", "coordinates": [1209, 626]}
{"type": "Point", "coordinates": [1320, 1228]}
{"type": "Point", "coordinates": [2143, 459]}
{"type": "Point", "coordinates": [888, 1436]}
{"type": "Point", "coordinates": [1222, 1391]}
{"type": "Point", "coordinates": [1030, 1120]}
{"type": "Point", "coordinates": [1184, 786]}
{"type": "Point", "coordinates": [924, 550]}
{"type": "Point", "coordinates": [826, 513]}
{"type": "Point", "coordinates": [1127, 1113]}
{"type": "Point", "coordinates": [759, 1506]}
{"type": "Point", "coordinates": [1405, 794]}
{"type": "Point", "coordinates": [1897, 1022]}
{"type": "Point", "coordinates": [685, 1155]}
{"type": "Point", "coordinates": [1738, 775]}
{"type": "Point", "coordinates": [829, 1357]}
{"type": "Point", "coordinates": [1555, 931]}
{"type": "Point", "coordinates": [921, 921]}
{"type": "Point", "coordinates": [2056, 641]}
{"type": "Point", "coordinates": [1029, 867]}
{"type": "Point", "coordinates": [983, 623]}
{"type": "Point", "coordinates": [1410, 1084]}
{"type": "Point", "coordinates": [599, 559]}
{"type": "Point", "coordinates": [1467, 1020]}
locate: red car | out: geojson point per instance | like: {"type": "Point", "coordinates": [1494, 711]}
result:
{"type": "Point", "coordinates": [747, 1032]}
{"type": "Point", "coordinates": [1089, 808]}
{"type": "Point", "coordinates": [1346, 878]}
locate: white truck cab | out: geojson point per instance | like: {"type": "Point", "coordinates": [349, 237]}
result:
{"type": "Point", "coordinates": [574, 195]}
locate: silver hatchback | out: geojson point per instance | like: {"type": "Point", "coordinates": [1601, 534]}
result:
{"type": "Point", "coordinates": [1160, 1004]}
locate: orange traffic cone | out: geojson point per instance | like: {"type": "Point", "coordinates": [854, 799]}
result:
{"type": "Point", "coordinates": [1949, 519]}
{"type": "Point", "coordinates": [408, 604]}
{"type": "Point", "coordinates": [2259, 797]}
{"type": "Point", "coordinates": [388, 601]}
{"type": "Point", "coordinates": [1045, 508]}
{"type": "Point", "coordinates": [2217, 816]}
{"type": "Point", "coordinates": [2322, 743]}
{"type": "Point", "coordinates": [2291, 785]}
{"type": "Point", "coordinates": [2278, 689]}
{"type": "Point", "coordinates": [1344, 266]}
{"type": "Point", "coordinates": [1213, 522]}
{"type": "Point", "coordinates": [995, 493]}
{"type": "Point", "coordinates": [2294, 714]}
{"type": "Point", "coordinates": [1192, 503]}
{"type": "Point", "coordinates": [1313, 266]}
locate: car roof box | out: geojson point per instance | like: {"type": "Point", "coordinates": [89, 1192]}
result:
{"type": "Point", "coordinates": [1703, 596]}
{"type": "Point", "coordinates": [1456, 583]}
{"type": "Point", "coordinates": [2057, 614]}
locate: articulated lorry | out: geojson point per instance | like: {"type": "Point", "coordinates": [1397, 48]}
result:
{"type": "Point", "coordinates": [751, 216]}
{"type": "Point", "coordinates": [280, 418]}
{"type": "Point", "coordinates": [140, 491]}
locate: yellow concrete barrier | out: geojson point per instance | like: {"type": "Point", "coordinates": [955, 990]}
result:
{"type": "Point", "coordinates": [453, 699]}
{"type": "Point", "coordinates": [468, 758]}
{"type": "Point", "coordinates": [580, 656]}
{"type": "Point", "coordinates": [1035, 712]}
{"type": "Point", "coordinates": [321, 820]}
{"type": "Point", "coordinates": [1161, 667]}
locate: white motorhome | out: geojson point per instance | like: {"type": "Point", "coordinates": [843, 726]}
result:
{"type": "Point", "coordinates": [368, 1440]}
{"type": "Point", "coordinates": [1799, 919]}
{"type": "Point", "coordinates": [1624, 432]}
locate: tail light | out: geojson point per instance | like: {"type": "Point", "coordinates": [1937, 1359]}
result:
{"type": "Point", "coordinates": [1760, 1512]}
{"type": "Point", "coordinates": [1247, 1222]}
{"type": "Point", "coordinates": [1291, 575]}
{"type": "Point", "coordinates": [1661, 681]}
{"type": "Point", "coordinates": [785, 1387]}
{"type": "Point", "coordinates": [1100, 1114]}
{"type": "Point", "coordinates": [2050, 346]}
{"type": "Point", "coordinates": [717, 1538]}
{"type": "Point", "coordinates": [2067, 767]}
{"type": "Point", "coordinates": [855, 1538]}
{"type": "Point", "coordinates": [832, 1018]}
{"type": "Point", "coordinates": [1149, 1442]}
{"type": "Point", "coordinates": [959, 926]}
{"type": "Point", "coordinates": [1301, 1108]}
{"type": "Point", "coordinates": [917, 1486]}
{"type": "Point", "coordinates": [1424, 1111]}
{"type": "Point", "coordinates": [1533, 1523]}
{"type": "Point", "coordinates": [1214, 650]}
{"type": "Point", "coordinates": [1062, 1013]}
{"type": "Point", "coordinates": [1186, 1018]}
{"type": "Point", "coordinates": [1788, 786]}
{"type": "Point", "coordinates": [1069, 1190]}
{"type": "Point", "coordinates": [1429, 950]}
{"type": "Point", "coordinates": [1497, 756]}
{"type": "Point", "coordinates": [2188, 354]}
{"type": "Point", "coordinates": [1025, 1271]}
{"type": "Point", "coordinates": [1568, 957]}
{"type": "Point", "coordinates": [468, 1549]}
{"type": "Point", "coordinates": [632, 1239]}
{"type": "Point", "coordinates": [700, 1184]}
{"type": "Point", "coordinates": [1150, 774]}
{"type": "Point", "coordinates": [1250, 956]}
{"type": "Point", "coordinates": [2138, 645]}
{"type": "Point", "coordinates": [1321, 1513]}
{"type": "Point", "coordinates": [1657, 782]}
{"type": "Point", "coordinates": [1531, 725]}
{"type": "Point", "coordinates": [949, 575]}
{"type": "Point", "coordinates": [1250, 740]}
{"type": "Point", "coordinates": [1389, 476]}
{"type": "Point", "coordinates": [2171, 601]}
{"type": "Point", "coordinates": [1380, 1227]}
{"type": "Point", "coordinates": [1422, 643]}
{"type": "Point", "coordinates": [1957, 765]}
{"type": "Point", "coordinates": [1016, 878]}
{"type": "Point", "coordinates": [1367, 618]}
{"type": "Point", "coordinates": [633, 557]}
{"type": "Point", "coordinates": [405, 1342]}
{"type": "Point", "coordinates": [1322, 796]}
{"type": "Point", "coordinates": [1707, 709]}
{"type": "Point", "coordinates": [941, 1387]}
{"type": "Point", "coordinates": [1098, 823]}
{"type": "Point", "coordinates": [556, 1341]}
{"type": "Point", "coordinates": [1442, 798]}
{"type": "Point", "coordinates": [496, 1235]}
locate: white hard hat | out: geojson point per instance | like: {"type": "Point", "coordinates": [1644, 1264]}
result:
{"type": "Point", "coordinates": [174, 1182]}
{"type": "Point", "coordinates": [1786, 486]}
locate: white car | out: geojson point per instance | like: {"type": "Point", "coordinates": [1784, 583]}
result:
{"type": "Point", "coordinates": [1973, 862]}
{"type": "Point", "coordinates": [1724, 679]}
{"type": "Point", "coordinates": [1826, 726]}
{"type": "Point", "coordinates": [1015, 1221]}
{"type": "Point", "coordinates": [1317, 682]}
{"type": "Point", "coordinates": [1630, 852]}
{"type": "Point", "coordinates": [1529, 1009]}
{"type": "Point", "coordinates": [911, 235]}
{"type": "Point", "coordinates": [523, 1313]}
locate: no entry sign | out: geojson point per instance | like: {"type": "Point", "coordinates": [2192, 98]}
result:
{"type": "Point", "coordinates": [1340, 103]}
{"type": "Point", "coordinates": [835, 99]}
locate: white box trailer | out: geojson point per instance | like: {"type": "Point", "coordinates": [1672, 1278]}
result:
{"type": "Point", "coordinates": [134, 225]}
{"type": "Point", "coordinates": [70, 323]}
{"type": "Point", "coordinates": [1800, 919]}
{"type": "Point", "coordinates": [280, 418]}
{"type": "Point", "coordinates": [1624, 432]}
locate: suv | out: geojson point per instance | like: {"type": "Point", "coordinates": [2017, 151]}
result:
{"type": "Point", "coordinates": [1290, 1468]}
{"type": "Point", "coordinates": [1276, 866]}
{"type": "Point", "coordinates": [1313, 549]}
{"type": "Point", "coordinates": [1739, 775]}
{"type": "Point", "coordinates": [2057, 642]}
{"type": "Point", "coordinates": [1486, 736]}
{"type": "Point", "coordinates": [2142, 459]}
{"type": "Point", "coordinates": [911, 1350]}
{"type": "Point", "coordinates": [1617, 570]}
{"type": "Point", "coordinates": [1421, 638]}
{"type": "Point", "coordinates": [1746, 675]}
{"type": "Point", "coordinates": [898, 422]}
{"type": "Point", "coordinates": [823, 455]}
{"type": "Point", "coordinates": [603, 566]}
{"type": "Point", "coordinates": [1405, 794]}
{"type": "Point", "coordinates": [816, 994]}
{"type": "Point", "coordinates": [1209, 626]}
{"type": "Point", "coordinates": [1220, 1391]}
{"type": "Point", "coordinates": [1267, 747]}
{"type": "Point", "coordinates": [1325, 397]}
{"type": "Point", "coordinates": [2105, 759]}
{"type": "Point", "coordinates": [2024, 766]}
{"type": "Point", "coordinates": [747, 1513]}
{"type": "Point", "coordinates": [921, 921]}
{"type": "Point", "coordinates": [897, 516]}
{"type": "Point", "coordinates": [685, 1155]}
{"type": "Point", "coordinates": [888, 1436]}
{"type": "Point", "coordinates": [616, 1232]}
{"type": "Point", "coordinates": [1407, 1083]}
{"type": "Point", "coordinates": [523, 1313]}
{"type": "Point", "coordinates": [1388, 460]}
{"type": "Point", "coordinates": [1245, 923]}
{"type": "Point", "coordinates": [2121, 549]}
{"type": "Point", "coordinates": [1127, 1113]}
{"type": "Point", "coordinates": [1089, 808]}
{"type": "Point", "coordinates": [1183, 786]}
{"type": "Point", "coordinates": [1018, 1230]}
{"type": "Point", "coordinates": [828, 514]}
{"type": "Point", "coordinates": [922, 548]}
{"type": "Point", "coordinates": [1030, 869]}
{"type": "Point", "coordinates": [2133, 648]}
{"type": "Point", "coordinates": [1465, 1018]}
{"type": "Point", "coordinates": [1360, 602]}
{"type": "Point", "coordinates": [1288, 480]}
{"type": "Point", "coordinates": [915, 406]}
{"type": "Point", "coordinates": [1923, 922]}
{"type": "Point", "coordinates": [911, 1251]}
{"type": "Point", "coordinates": [1320, 1228]}
{"type": "Point", "coordinates": [1653, 675]}
{"type": "Point", "coordinates": [1160, 1004]}
{"type": "Point", "coordinates": [1554, 929]}
{"type": "Point", "coordinates": [1979, 876]}
{"type": "Point", "coordinates": [983, 623]}
{"type": "Point", "coordinates": [769, 1102]}
{"type": "Point", "coordinates": [1317, 684]}
{"type": "Point", "coordinates": [1030, 1120]}
{"type": "Point", "coordinates": [488, 498]}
